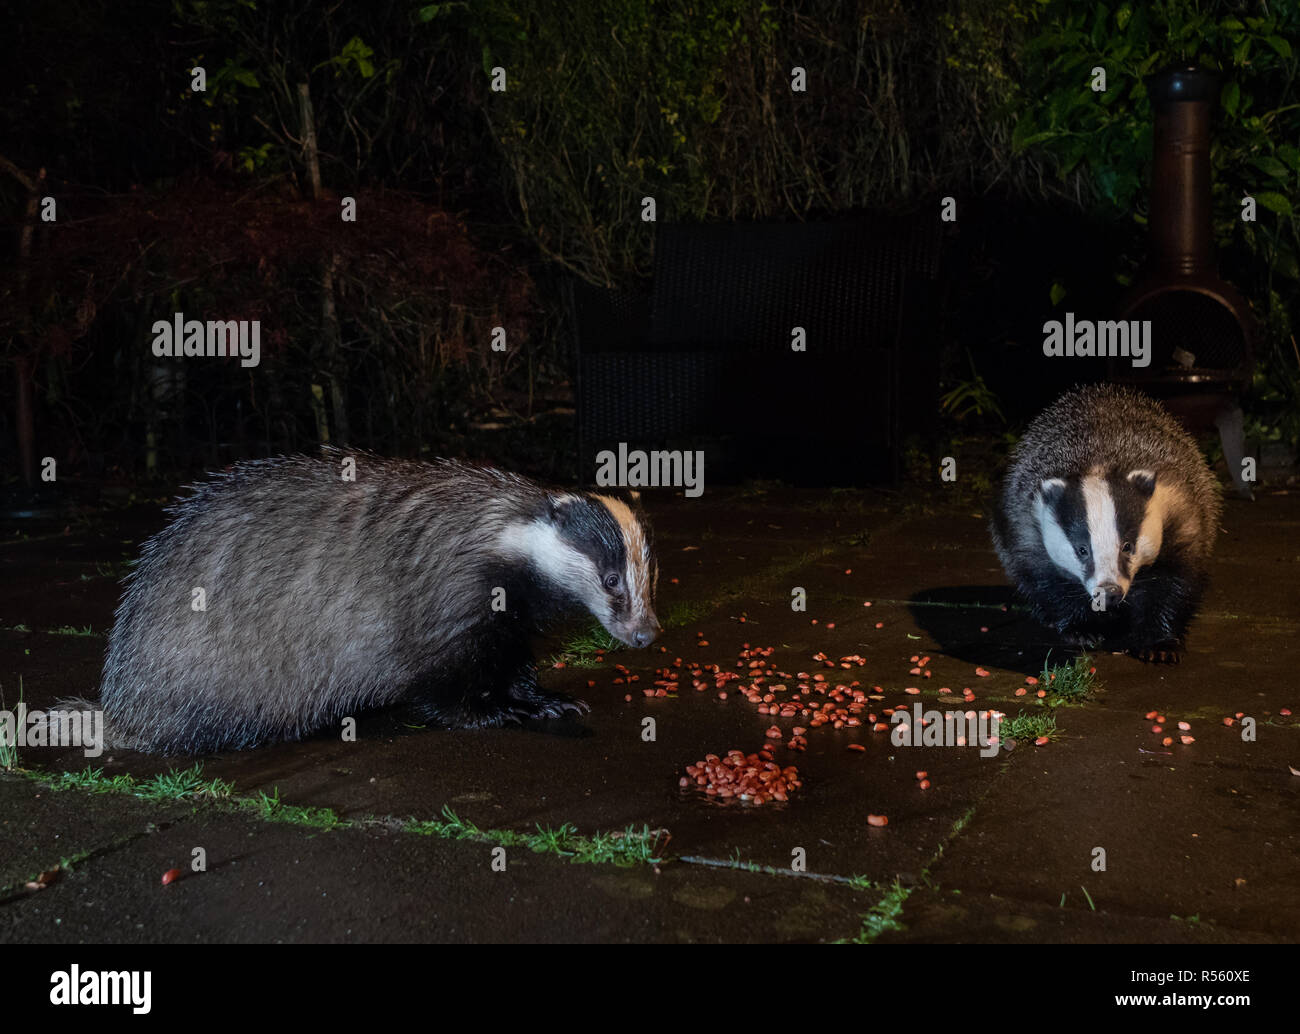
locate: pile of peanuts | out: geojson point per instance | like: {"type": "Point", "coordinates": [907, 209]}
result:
{"type": "Point", "coordinates": [748, 777]}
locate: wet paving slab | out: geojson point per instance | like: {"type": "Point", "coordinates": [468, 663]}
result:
{"type": "Point", "coordinates": [270, 882]}
{"type": "Point", "coordinates": [1206, 832]}
{"type": "Point", "coordinates": [935, 916]}
{"type": "Point", "coordinates": [42, 828]}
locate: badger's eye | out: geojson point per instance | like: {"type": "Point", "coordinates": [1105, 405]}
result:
{"type": "Point", "coordinates": [1083, 552]}
{"type": "Point", "coordinates": [1127, 549]}
{"type": "Point", "coordinates": [612, 581]}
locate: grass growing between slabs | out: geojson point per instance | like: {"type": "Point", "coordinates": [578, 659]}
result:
{"type": "Point", "coordinates": [884, 915]}
{"type": "Point", "coordinates": [172, 785]}
{"type": "Point", "coordinates": [628, 847]}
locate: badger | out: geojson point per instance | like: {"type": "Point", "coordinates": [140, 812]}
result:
{"type": "Point", "coordinates": [1106, 520]}
{"type": "Point", "coordinates": [283, 596]}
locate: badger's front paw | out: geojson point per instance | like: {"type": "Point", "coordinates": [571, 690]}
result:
{"type": "Point", "coordinates": [538, 705]}
{"type": "Point", "coordinates": [1165, 652]}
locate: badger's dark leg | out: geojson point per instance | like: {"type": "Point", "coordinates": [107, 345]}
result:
{"type": "Point", "coordinates": [529, 700]}
{"type": "Point", "coordinates": [469, 690]}
{"type": "Point", "coordinates": [1160, 605]}
{"type": "Point", "coordinates": [1063, 605]}
{"type": "Point", "coordinates": [478, 710]}
{"type": "Point", "coordinates": [494, 685]}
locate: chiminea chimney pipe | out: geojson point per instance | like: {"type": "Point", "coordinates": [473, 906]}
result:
{"type": "Point", "coordinates": [1180, 229]}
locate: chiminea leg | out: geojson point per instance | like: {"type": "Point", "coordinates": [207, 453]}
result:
{"type": "Point", "coordinates": [1232, 433]}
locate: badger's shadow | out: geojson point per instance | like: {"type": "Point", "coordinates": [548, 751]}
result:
{"type": "Point", "coordinates": [954, 617]}
{"type": "Point", "coordinates": [400, 721]}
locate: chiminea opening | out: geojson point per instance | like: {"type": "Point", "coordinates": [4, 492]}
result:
{"type": "Point", "coordinates": [1201, 326]}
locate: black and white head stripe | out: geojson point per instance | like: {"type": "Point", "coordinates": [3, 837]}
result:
{"type": "Point", "coordinates": [639, 570]}
{"type": "Point", "coordinates": [1102, 528]}
{"type": "Point", "coordinates": [595, 549]}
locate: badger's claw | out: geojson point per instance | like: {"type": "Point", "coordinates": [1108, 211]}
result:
{"type": "Point", "coordinates": [539, 705]}
{"type": "Point", "coordinates": [1158, 653]}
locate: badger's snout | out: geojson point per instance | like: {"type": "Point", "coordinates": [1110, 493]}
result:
{"type": "Point", "coordinates": [640, 635]}
{"type": "Point", "coordinates": [1108, 594]}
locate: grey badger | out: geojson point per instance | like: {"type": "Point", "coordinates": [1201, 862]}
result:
{"type": "Point", "coordinates": [1106, 520]}
{"type": "Point", "coordinates": [327, 596]}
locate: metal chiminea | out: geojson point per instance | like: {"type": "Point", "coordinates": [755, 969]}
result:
{"type": "Point", "coordinates": [1201, 326]}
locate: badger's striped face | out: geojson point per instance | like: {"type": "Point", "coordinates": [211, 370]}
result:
{"type": "Point", "coordinates": [596, 549]}
{"type": "Point", "coordinates": [1102, 529]}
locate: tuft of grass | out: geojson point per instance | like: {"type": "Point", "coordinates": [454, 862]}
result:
{"type": "Point", "coordinates": [1088, 896]}
{"type": "Point", "coordinates": [960, 824]}
{"type": "Point", "coordinates": [93, 780]}
{"type": "Point", "coordinates": [172, 785]}
{"type": "Point", "coordinates": [9, 750]}
{"type": "Point", "coordinates": [583, 649]}
{"type": "Point", "coordinates": [176, 785]}
{"type": "Point", "coordinates": [1028, 726]}
{"type": "Point", "coordinates": [270, 808]}
{"type": "Point", "coordinates": [71, 630]}
{"type": "Point", "coordinates": [883, 916]}
{"type": "Point", "coordinates": [1070, 683]}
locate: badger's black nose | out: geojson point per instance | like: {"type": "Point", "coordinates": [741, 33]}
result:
{"type": "Point", "coordinates": [646, 635]}
{"type": "Point", "coordinates": [1111, 592]}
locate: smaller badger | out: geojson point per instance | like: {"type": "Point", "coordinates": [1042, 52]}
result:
{"type": "Point", "coordinates": [416, 583]}
{"type": "Point", "coordinates": [1106, 520]}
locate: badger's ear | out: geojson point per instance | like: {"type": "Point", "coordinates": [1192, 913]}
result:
{"type": "Point", "coordinates": [634, 496]}
{"type": "Point", "coordinates": [557, 505]}
{"type": "Point", "coordinates": [1051, 489]}
{"type": "Point", "coordinates": [1143, 480]}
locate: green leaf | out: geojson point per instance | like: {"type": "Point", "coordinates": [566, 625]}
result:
{"type": "Point", "coordinates": [1290, 154]}
{"type": "Point", "coordinates": [1035, 138]}
{"type": "Point", "coordinates": [1057, 293]}
{"type": "Point", "coordinates": [1274, 202]}
{"type": "Point", "coordinates": [1272, 167]}
{"type": "Point", "coordinates": [429, 12]}
{"type": "Point", "coordinates": [1286, 265]}
{"type": "Point", "coordinates": [1100, 16]}
{"type": "Point", "coordinates": [1279, 44]}
{"type": "Point", "coordinates": [357, 51]}
{"type": "Point", "coordinates": [1230, 97]}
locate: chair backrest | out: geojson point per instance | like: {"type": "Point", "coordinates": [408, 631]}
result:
{"type": "Point", "coordinates": [703, 353]}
